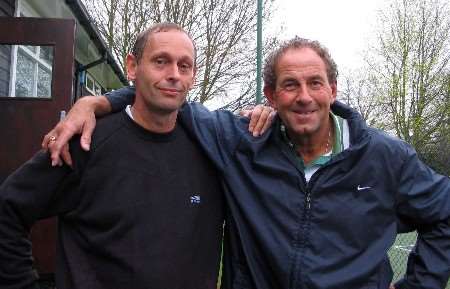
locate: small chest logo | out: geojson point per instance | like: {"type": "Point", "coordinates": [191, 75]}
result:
{"type": "Point", "coordinates": [360, 188]}
{"type": "Point", "coordinates": [195, 199]}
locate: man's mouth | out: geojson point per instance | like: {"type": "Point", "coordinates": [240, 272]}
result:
{"type": "Point", "coordinates": [171, 90]}
{"type": "Point", "coordinates": [305, 112]}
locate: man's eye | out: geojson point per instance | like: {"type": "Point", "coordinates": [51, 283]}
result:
{"type": "Point", "coordinates": [316, 84]}
{"type": "Point", "coordinates": [290, 86]}
{"type": "Point", "coordinates": [185, 67]}
{"type": "Point", "coordinates": [160, 61]}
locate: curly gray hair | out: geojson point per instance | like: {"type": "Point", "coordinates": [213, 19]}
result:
{"type": "Point", "coordinates": [269, 75]}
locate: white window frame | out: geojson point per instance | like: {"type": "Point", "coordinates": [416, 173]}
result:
{"type": "Point", "coordinates": [96, 88]}
{"type": "Point", "coordinates": [23, 9]}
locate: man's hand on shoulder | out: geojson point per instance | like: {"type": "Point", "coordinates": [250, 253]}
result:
{"type": "Point", "coordinates": [79, 120]}
{"type": "Point", "coordinates": [261, 118]}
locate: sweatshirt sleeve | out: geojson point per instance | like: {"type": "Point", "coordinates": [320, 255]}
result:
{"type": "Point", "coordinates": [34, 191]}
{"type": "Point", "coordinates": [120, 98]}
{"type": "Point", "coordinates": [424, 201]}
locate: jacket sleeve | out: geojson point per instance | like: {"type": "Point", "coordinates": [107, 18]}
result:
{"type": "Point", "coordinates": [35, 191]}
{"type": "Point", "coordinates": [121, 97]}
{"type": "Point", "coordinates": [218, 132]}
{"type": "Point", "coordinates": [424, 201]}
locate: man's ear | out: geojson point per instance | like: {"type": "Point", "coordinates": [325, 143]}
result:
{"type": "Point", "coordinates": [131, 67]}
{"type": "Point", "coordinates": [333, 92]}
{"type": "Point", "coordinates": [194, 74]}
{"type": "Point", "coordinates": [270, 94]}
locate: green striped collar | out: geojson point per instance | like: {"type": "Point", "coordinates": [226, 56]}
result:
{"type": "Point", "coordinates": [338, 145]}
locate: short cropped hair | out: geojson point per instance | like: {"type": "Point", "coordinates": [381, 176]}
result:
{"type": "Point", "coordinates": [269, 73]}
{"type": "Point", "coordinates": [142, 38]}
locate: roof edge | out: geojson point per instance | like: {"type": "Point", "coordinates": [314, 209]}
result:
{"type": "Point", "coordinates": [86, 21]}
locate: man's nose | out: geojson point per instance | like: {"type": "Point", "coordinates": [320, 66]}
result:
{"type": "Point", "coordinates": [173, 72]}
{"type": "Point", "coordinates": [303, 95]}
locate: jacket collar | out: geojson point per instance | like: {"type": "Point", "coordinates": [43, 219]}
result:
{"type": "Point", "coordinates": [358, 127]}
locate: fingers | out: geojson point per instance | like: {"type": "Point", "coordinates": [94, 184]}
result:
{"type": "Point", "coordinates": [255, 115]}
{"type": "Point", "coordinates": [65, 155]}
{"type": "Point", "coordinates": [80, 119]}
{"type": "Point", "coordinates": [262, 116]}
{"type": "Point", "coordinates": [47, 143]}
{"type": "Point", "coordinates": [247, 112]}
{"type": "Point", "coordinates": [64, 131]}
{"type": "Point", "coordinates": [261, 121]}
{"type": "Point", "coordinates": [86, 134]}
{"type": "Point", "coordinates": [268, 122]}
{"type": "Point", "coordinates": [46, 140]}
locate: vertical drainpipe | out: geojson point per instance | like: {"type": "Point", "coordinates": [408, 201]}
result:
{"type": "Point", "coordinates": [259, 52]}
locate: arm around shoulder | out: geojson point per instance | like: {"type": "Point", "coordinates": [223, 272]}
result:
{"type": "Point", "coordinates": [121, 97]}
{"type": "Point", "coordinates": [218, 132]}
{"type": "Point", "coordinates": [79, 120]}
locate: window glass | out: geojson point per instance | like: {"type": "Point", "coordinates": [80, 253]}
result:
{"type": "Point", "coordinates": [46, 54]}
{"type": "Point", "coordinates": [44, 84]}
{"type": "Point", "coordinates": [32, 49]}
{"type": "Point", "coordinates": [29, 73]}
{"type": "Point", "coordinates": [92, 85]}
{"type": "Point", "coordinates": [24, 75]}
{"type": "Point", "coordinates": [89, 83]}
{"type": "Point", "coordinates": [98, 89]}
{"type": "Point", "coordinates": [5, 57]}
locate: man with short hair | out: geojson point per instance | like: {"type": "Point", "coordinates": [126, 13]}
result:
{"type": "Point", "coordinates": [317, 201]}
{"type": "Point", "coordinates": [143, 208]}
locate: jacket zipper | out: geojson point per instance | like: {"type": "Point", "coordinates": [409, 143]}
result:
{"type": "Point", "coordinates": [308, 200]}
{"type": "Point", "coordinates": [299, 280]}
{"type": "Point", "coordinates": [307, 186]}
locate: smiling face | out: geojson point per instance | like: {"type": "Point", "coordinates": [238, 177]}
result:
{"type": "Point", "coordinates": [165, 72]}
{"type": "Point", "coordinates": [303, 94]}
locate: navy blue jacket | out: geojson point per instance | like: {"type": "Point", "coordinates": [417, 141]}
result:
{"type": "Point", "coordinates": [335, 231]}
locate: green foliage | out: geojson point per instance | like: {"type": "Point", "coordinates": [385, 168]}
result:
{"type": "Point", "coordinates": [408, 72]}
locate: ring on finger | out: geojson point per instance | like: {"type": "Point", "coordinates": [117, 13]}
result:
{"type": "Point", "coordinates": [52, 138]}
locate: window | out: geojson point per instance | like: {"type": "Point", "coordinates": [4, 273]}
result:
{"type": "Point", "coordinates": [92, 85]}
{"type": "Point", "coordinates": [32, 73]}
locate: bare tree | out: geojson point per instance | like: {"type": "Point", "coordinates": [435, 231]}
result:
{"type": "Point", "coordinates": [224, 32]}
{"type": "Point", "coordinates": [119, 22]}
{"type": "Point", "coordinates": [410, 62]}
{"type": "Point", "coordinates": [359, 90]}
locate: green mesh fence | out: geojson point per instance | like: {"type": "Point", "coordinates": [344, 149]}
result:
{"type": "Point", "coordinates": [398, 254]}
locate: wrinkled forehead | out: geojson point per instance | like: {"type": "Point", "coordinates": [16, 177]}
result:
{"type": "Point", "coordinates": [171, 41]}
{"type": "Point", "coordinates": [299, 59]}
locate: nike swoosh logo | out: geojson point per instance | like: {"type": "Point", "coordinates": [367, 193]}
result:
{"type": "Point", "coordinates": [359, 188]}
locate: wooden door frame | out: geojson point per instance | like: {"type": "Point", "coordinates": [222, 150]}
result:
{"type": "Point", "coordinates": [28, 31]}
{"type": "Point", "coordinates": [22, 139]}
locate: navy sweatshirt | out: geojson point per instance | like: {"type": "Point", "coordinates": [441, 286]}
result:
{"type": "Point", "coordinates": [140, 210]}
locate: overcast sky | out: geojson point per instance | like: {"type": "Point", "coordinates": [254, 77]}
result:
{"type": "Point", "coordinates": [343, 26]}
